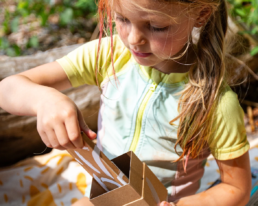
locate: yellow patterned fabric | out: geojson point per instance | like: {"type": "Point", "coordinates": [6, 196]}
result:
{"type": "Point", "coordinates": [54, 179]}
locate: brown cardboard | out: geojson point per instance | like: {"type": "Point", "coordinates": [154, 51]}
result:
{"type": "Point", "coordinates": [99, 166]}
{"type": "Point", "coordinates": [143, 189]}
{"type": "Point", "coordinates": [125, 194]}
{"type": "Point", "coordinates": [125, 180]}
{"type": "Point", "coordinates": [154, 191]}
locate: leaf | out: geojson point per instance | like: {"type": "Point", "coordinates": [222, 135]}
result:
{"type": "Point", "coordinates": [254, 51]}
{"type": "Point", "coordinates": [15, 24]}
{"type": "Point", "coordinates": [4, 43]}
{"type": "Point", "coordinates": [254, 30]}
{"type": "Point", "coordinates": [10, 52]}
{"type": "Point", "coordinates": [23, 8]}
{"type": "Point", "coordinates": [17, 50]}
{"type": "Point", "coordinates": [44, 18]}
{"type": "Point", "coordinates": [34, 42]}
{"type": "Point", "coordinates": [241, 12]}
{"type": "Point", "coordinates": [22, 5]}
{"type": "Point", "coordinates": [67, 16]}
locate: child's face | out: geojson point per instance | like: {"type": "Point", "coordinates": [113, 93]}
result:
{"type": "Point", "coordinates": [152, 37]}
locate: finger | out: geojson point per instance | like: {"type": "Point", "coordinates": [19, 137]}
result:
{"type": "Point", "coordinates": [62, 137]}
{"type": "Point", "coordinates": [166, 204]}
{"type": "Point", "coordinates": [74, 132]}
{"type": "Point", "coordinates": [84, 127]}
{"type": "Point", "coordinates": [44, 138]}
{"type": "Point", "coordinates": [53, 140]}
{"type": "Point", "coordinates": [163, 204]}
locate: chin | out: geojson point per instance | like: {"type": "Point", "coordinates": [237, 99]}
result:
{"type": "Point", "coordinates": [144, 62]}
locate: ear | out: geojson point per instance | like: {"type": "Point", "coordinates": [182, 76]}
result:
{"type": "Point", "coordinates": [203, 16]}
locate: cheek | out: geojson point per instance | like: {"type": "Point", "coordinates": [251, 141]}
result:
{"type": "Point", "coordinates": [122, 34]}
{"type": "Point", "coordinates": [121, 30]}
{"type": "Point", "coordinates": [118, 27]}
{"type": "Point", "coordinates": [167, 46]}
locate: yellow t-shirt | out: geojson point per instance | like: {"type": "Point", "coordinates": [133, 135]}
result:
{"type": "Point", "coordinates": [136, 109]}
{"type": "Point", "coordinates": [230, 140]}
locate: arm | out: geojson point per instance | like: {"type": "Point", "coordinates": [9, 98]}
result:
{"type": "Point", "coordinates": [233, 191]}
{"type": "Point", "coordinates": [32, 84]}
{"type": "Point", "coordinates": [35, 93]}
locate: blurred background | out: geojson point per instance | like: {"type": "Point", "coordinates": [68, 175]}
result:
{"type": "Point", "coordinates": [27, 26]}
{"type": "Point", "coordinates": [34, 32]}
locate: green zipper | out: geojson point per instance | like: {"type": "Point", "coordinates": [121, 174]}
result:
{"type": "Point", "coordinates": [140, 113]}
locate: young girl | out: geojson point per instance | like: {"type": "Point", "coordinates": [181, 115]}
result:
{"type": "Point", "coordinates": [163, 97]}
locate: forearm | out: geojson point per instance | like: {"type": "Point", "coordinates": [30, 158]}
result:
{"type": "Point", "coordinates": [219, 195]}
{"type": "Point", "coordinates": [20, 96]}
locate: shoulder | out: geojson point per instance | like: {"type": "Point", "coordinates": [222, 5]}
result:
{"type": "Point", "coordinates": [105, 45]}
{"type": "Point", "coordinates": [228, 104]}
{"type": "Point", "coordinates": [80, 65]}
{"type": "Point", "coordinates": [228, 139]}
{"type": "Point", "coordinates": [106, 51]}
{"type": "Point", "coordinates": [91, 49]}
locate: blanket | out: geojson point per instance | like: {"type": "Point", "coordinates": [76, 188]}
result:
{"type": "Point", "coordinates": [53, 179]}
{"type": "Point", "coordinates": [56, 179]}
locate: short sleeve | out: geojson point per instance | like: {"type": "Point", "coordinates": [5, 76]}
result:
{"type": "Point", "coordinates": [80, 64]}
{"type": "Point", "coordinates": [229, 139]}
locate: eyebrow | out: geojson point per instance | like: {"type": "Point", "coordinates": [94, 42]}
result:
{"type": "Point", "coordinates": [119, 13]}
{"type": "Point", "coordinates": [185, 1]}
{"type": "Point", "coordinates": [153, 19]}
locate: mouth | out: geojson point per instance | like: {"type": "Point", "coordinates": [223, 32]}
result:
{"type": "Point", "coordinates": [139, 54]}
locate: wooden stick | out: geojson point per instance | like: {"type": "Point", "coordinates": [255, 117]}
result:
{"type": "Point", "coordinates": [249, 103]}
{"type": "Point", "coordinates": [95, 33]}
{"type": "Point", "coordinates": [250, 71]}
{"type": "Point", "coordinates": [251, 119]}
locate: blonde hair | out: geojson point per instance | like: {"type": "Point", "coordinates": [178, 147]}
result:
{"type": "Point", "coordinates": [200, 97]}
{"type": "Point", "coordinates": [206, 77]}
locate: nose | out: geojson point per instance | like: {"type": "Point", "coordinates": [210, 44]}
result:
{"type": "Point", "coordinates": [136, 37]}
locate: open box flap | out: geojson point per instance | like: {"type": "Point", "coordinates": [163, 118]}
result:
{"type": "Point", "coordinates": [154, 191]}
{"type": "Point", "coordinates": [130, 165]}
{"type": "Point", "coordinates": [99, 166]}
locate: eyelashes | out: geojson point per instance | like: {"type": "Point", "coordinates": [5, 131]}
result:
{"type": "Point", "coordinates": [154, 29]}
{"type": "Point", "coordinates": [123, 20]}
{"type": "Point", "coordinates": [159, 29]}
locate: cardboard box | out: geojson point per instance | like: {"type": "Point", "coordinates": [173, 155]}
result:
{"type": "Point", "coordinates": [125, 180]}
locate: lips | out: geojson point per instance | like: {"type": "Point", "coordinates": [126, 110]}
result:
{"type": "Point", "coordinates": [139, 54]}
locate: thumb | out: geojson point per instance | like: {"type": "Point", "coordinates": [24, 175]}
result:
{"type": "Point", "coordinates": [166, 204]}
{"type": "Point", "coordinates": [84, 127]}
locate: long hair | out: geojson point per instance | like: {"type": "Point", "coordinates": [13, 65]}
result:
{"type": "Point", "coordinates": [206, 78]}
{"type": "Point", "coordinates": [201, 95]}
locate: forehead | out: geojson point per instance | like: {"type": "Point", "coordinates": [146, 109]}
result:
{"type": "Point", "coordinates": [149, 9]}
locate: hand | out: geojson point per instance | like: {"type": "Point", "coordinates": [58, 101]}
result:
{"type": "Point", "coordinates": [59, 122]}
{"type": "Point", "coordinates": [167, 204]}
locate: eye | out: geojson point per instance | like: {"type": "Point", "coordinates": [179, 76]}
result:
{"type": "Point", "coordinates": [156, 29]}
{"type": "Point", "coordinates": [121, 19]}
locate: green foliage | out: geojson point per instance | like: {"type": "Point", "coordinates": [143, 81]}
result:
{"type": "Point", "coordinates": [246, 13]}
{"type": "Point", "coordinates": [33, 42]}
{"type": "Point", "coordinates": [69, 11]}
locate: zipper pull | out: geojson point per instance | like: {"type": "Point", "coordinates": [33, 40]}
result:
{"type": "Point", "coordinates": [153, 87]}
